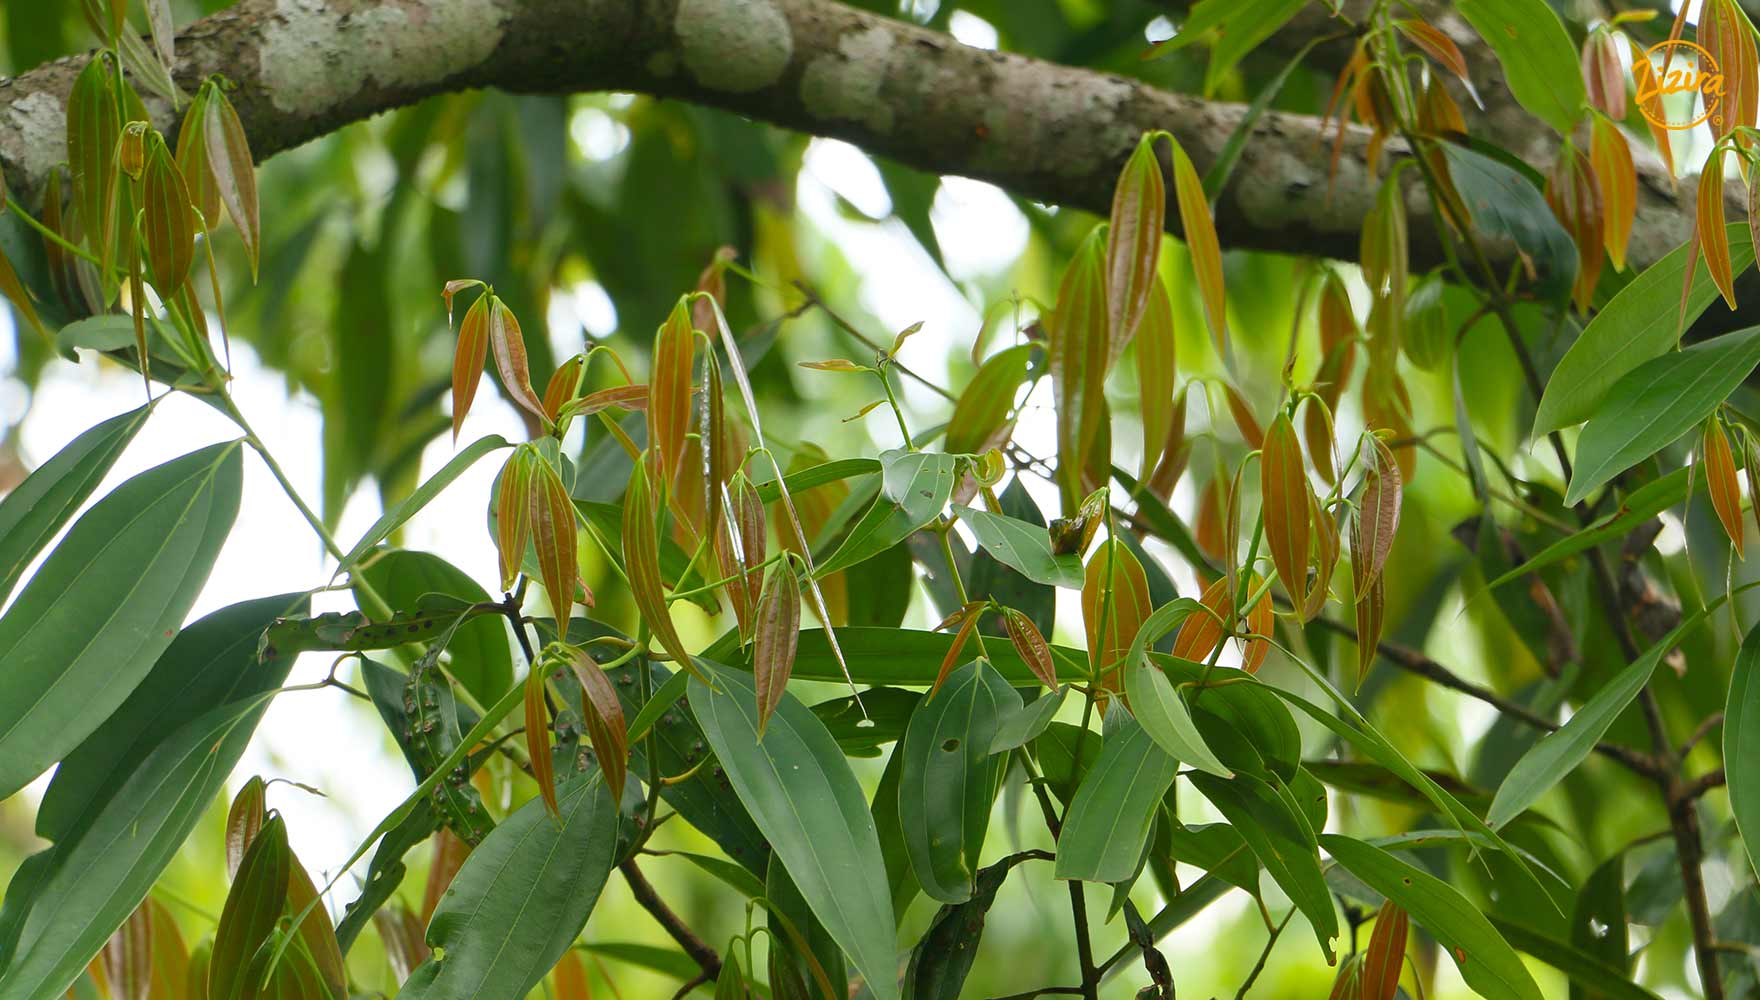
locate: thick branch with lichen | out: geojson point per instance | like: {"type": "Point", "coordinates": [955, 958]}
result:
{"type": "Point", "coordinates": [1057, 134]}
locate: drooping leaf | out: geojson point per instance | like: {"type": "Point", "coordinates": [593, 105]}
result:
{"type": "Point", "coordinates": [604, 718]}
{"type": "Point", "coordinates": [1157, 368]}
{"type": "Point", "coordinates": [229, 157]}
{"type": "Point", "coordinates": [1199, 228]}
{"type": "Point", "coordinates": [1133, 245]}
{"type": "Point", "coordinates": [1711, 230]}
{"type": "Point", "coordinates": [812, 811]}
{"type": "Point", "coordinates": [669, 392]}
{"type": "Point", "coordinates": [555, 537]}
{"type": "Point", "coordinates": [948, 781]}
{"type": "Point", "coordinates": [512, 514]}
{"type": "Point", "coordinates": [1656, 403]}
{"type": "Point", "coordinates": [1536, 54]}
{"type": "Point", "coordinates": [1156, 703]}
{"type": "Point", "coordinates": [1284, 491]}
{"type": "Point", "coordinates": [1502, 204]}
{"type": "Point", "coordinates": [1030, 644]}
{"type": "Point", "coordinates": [1618, 180]}
{"type": "Point", "coordinates": [468, 359]}
{"type": "Point", "coordinates": [1109, 820]}
{"type": "Point", "coordinates": [1279, 834]}
{"type": "Point", "coordinates": [1377, 519]}
{"type": "Point", "coordinates": [776, 632]}
{"type": "Point", "coordinates": [1079, 350]}
{"type": "Point", "coordinates": [1385, 957]}
{"type": "Point", "coordinates": [943, 957]}
{"type": "Point", "coordinates": [509, 347]}
{"type": "Point", "coordinates": [1574, 194]}
{"type": "Point", "coordinates": [641, 554]}
{"type": "Point", "coordinates": [1115, 604]}
{"type": "Point", "coordinates": [168, 226]}
{"type": "Point", "coordinates": [108, 600]}
{"type": "Point", "coordinates": [537, 730]}
{"type": "Point", "coordinates": [93, 125]}
{"type": "Point", "coordinates": [1719, 466]}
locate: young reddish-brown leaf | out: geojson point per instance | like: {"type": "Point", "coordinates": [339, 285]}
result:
{"type": "Point", "coordinates": [1133, 244]}
{"type": "Point", "coordinates": [1284, 492]}
{"type": "Point", "coordinates": [967, 619]}
{"type": "Point", "coordinates": [1618, 180]}
{"type": "Point", "coordinates": [740, 547]}
{"type": "Point", "coordinates": [513, 526]}
{"type": "Point", "coordinates": [1200, 232]}
{"type": "Point", "coordinates": [1603, 74]}
{"type": "Point", "coordinates": [1078, 351]}
{"type": "Point", "coordinates": [713, 283]}
{"type": "Point", "coordinates": [450, 850]}
{"type": "Point", "coordinates": [1252, 432]}
{"type": "Point", "coordinates": [1326, 549]}
{"type": "Point", "coordinates": [560, 389]}
{"type": "Point", "coordinates": [1210, 531]}
{"type": "Point", "coordinates": [404, 938]}
{"type": "Point", "coordinates": [623, 397]}
{"type": "Point", "coordinates": [1260, 621]}
{"type": "Point", "coordinates": [555, 536]}
{"type": "Point", "coordinates": [1200, 633]}
{"type": "Point", "coordinates": [1338, 332]}
{"type": "Point", "coordinates": [192, 160]}
{"type": "Point", "coordinates": [168, 226]}
{"type": "Point", "coordinates": [834, 365]}
{"type": "Point", "coordinates": [641, 563]}
{"type": "Point", "coordinates": [1440, 116]}
{"type": "Point", "coordinates": [538, 738]}
{"type": "Point", "coordinates": [1157, 368]}
{"type": "Point", "coordinates": [1031, 646]}
{"type": "Point", "coordinates": [509, 345]}
{"type": "Point", "coordinates": [1724, 32]}
{"type": "Point", "coordinates": [93, 126]}
{"type": "Point", "coordinates": [777, 633]}
{"type": "Point", "coordinates": [1174, 452]}
{"type": "Point", "coordinates": [669, 391]}
{"type": "Point", "coordinates": [1371, 603]}
{"type": "Point", "coordinates": [1115, 603]}
{"type": "Point", "coordinates": [1709, 228]}
{"type": "Point", "coordinates": [1349, 984]}
{"type": "Point", "coordinates": [568, 980]}
{"type": "Point", "coordinates": [1719, 465]}
{"type": "Point", "coordinates": [235, 173]}
{"type": "Point", "coordinates": [243, 820]}
{"type": "Point", "coordinates": [1436, 45]}
{"type": "Point", "coordinates": [127, 958]}
{"type": "Point", "coordinates": [468, 359]}
{"type": "Point", "coordinates": [1377, 517]}
{"type": "Point", "coordinates": [605, 724]}
{"type": "Point", "coordinates": [1386, 954]}
{"type": "Point", "coordinates": [1574, 196]}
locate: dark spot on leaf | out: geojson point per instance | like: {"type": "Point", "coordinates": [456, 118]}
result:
{"type": "Point", "coordinates": [951, 745]}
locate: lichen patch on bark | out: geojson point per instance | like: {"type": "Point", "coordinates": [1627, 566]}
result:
{"type": "Point", "coordinates": [736, 46]}
{"type": "Point", "coordinates": [845, 85]}
{"type": "Point", "coordinates": [315, 55]}
{"type": "Point", "coordinates": [34, 138]}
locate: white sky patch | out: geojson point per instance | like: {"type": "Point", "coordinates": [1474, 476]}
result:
{"type": "Point", "coordinates": [980, 231]}
{"type": "Point", "coordinates": [972, 30]}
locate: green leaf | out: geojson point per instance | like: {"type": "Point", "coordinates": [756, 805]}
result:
{"type": "Point", "coordinates": [1266, 815]}
{"type": "Point", "coordinates": [900, 880]}
{"type": "Point", "coordinates": [130, 840]}
{"type": "Point", "coordinates": [253, 908]}
{"type": "Point", "coordinates": [943, 957]}
{"type": "Point", "coordinates": [1599, 925]}
{"type": "Point", "coordinates": [983, 406]}
{"type": "Point", "coordinates": [481, 660]}
{"type": "Point", "coordinates": [1605, 982]}
{"type": "Point", "coordinates": [1157, 705]}
{"type": "Point", "coordinates": [36, 509]}
{"type": "Point", "coordinates": [1239, 27]}
{"type": "Point", "coordinates": [1114, 809]}
{"type": "Point", "coordinates": [914, 488]}
{"type": "Point", "coordinates": [948, 782]}
{"type": "Point", "coordinates": [1638, 506]}
{"type": "Point", "coordinates": [1741, 744]}
{"type": "Point", "coordinates": [1558, 753]}
{"type": "Point", "coordinates": [810, 807]}
{"type": "Point", "coordinates": [1654, 404]}
{"type": "Point", "coordinates": [91, 622]}
{"type": "Point", "coordinates": [521, 897]}
{"type": "Point", "coordinates": [1487, 963]}
{"type": "Point", "coordinates": [1537, 56]}
{"type": "Point", "coordinates": [1643, 320]}
{"type": "Point", "coordinates": [394, 518]}
{"type": "Point", "coordinates": [1023, 547]}
{"type": "Point", "coordinates": [1023, 725]}
{"type": "Point", "coordinates": [1505, 206]}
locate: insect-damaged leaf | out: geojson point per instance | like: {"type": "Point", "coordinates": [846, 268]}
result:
{"type": "Point", "coordinates": [777, 632]}
{"type": "Point", "coordinates": [669, 392]}
{"type": "Point", "coordinates": [949, 778]}
{"type": "Point", "coordinates": [1285, 492]}
{"type": "Point", "coordinates": [1133, 244]}
{"type": "Point", "coordinates": [235, 176]}
{"type": "Point", "coordinates": [604, 718]}
{"type": "Point", "coordinates": [641, 563]}
{"type": "Point", "coordinates": [1719, 465]}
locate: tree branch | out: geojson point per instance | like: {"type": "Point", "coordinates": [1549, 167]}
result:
{"type": "Point", "coordinates": [643, 890]}
{"type": "Point", "coordinates": [1053, 133]}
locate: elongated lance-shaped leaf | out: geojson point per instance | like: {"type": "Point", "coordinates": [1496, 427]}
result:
{"type": "Point", "coordinates": [1719, 465]}
{"type": "Point", "coordinates": [235, 174]}
{"type": "Point", "coordinates": [1115, 603]}
{"type": "Point", "coordinates": [1709, 228]}
{"type": "Point", "coordinates": [560, 390]}
{"type": "Point", "coordinates": [1284, 491]}
{"type": "Point", "coordinates": [1031, 645]}
{"type": "Point", "coordinates": [980, 413]}
{"type": "Point", "coordinates": [641, 555]}
{"type": "Point", "coordinates": [513, 526]}
{"type": "Point", "coordinates": [776, 635]}
{"type": "Point", "coordinates": [1023, 547]}
{"type": "Point", "coordinates": [1154, 700]}
{"type": "Point", "coordinates": [1157, 368]}
{"type": "Point", "coordinates": [1741, 744]}
{"type": "Point", "coordinates": [604, 718]}
{"type": "Point", "coordinates": [1200, 233]}
{"type": "Point", "coordinates": [1377, 518]}
{"type": "Point", "coordinates": [1078, 351]}
{"type": "Point", "coordinates": [740, 546]}
{"type": "Point", "coordinates": [1618, 177]}
{"type": "Point", "coordinates": [509, 347]}
{"type": "Point", "coordinates": [244, 819]}
{"type": "Point", "coordinates": [253, 908]}
{"type": "Point", "coordinates": [1385, 957]}
{"type": "Point", "coordinates": [192, 160]}
{"type": "Point", "coordinates": [1133, 244]}
{"type": "Point", "coordinates": [395, 517]}
{"type": "Point", "coordinates": [669, 393]}
{"type": "Point", "coordinates": [555, 537]}
{"type": "Point", "coordinates": [93, 124]}
{"type": "Point", "coordinates": [468, 359]}
{"type": "Point", "coordinates": [168, 226]}
{"type": "Point", "coordinates": [745, 391]}
{"type": "Point", "coordinates": [538, 736]}
{"type": "Point", "coordinates": [1109, 820]}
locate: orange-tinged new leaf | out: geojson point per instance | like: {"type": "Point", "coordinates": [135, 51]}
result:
{"type": "Point", "coordinates": [1078, 351]}
{"type": "Point", "coordinates": [468, 358]}
{"type": "Point", "coordinates": [1654, 115]}
{"type": "Point", "coordinates": [1386, 954]}
{"type": "Point", "coordinates": [606, 728]}
{"type": "Point", "coordinates": [1709, 228]}
{"type": "Point", "coordinates": [1574, 195]}
{"type": "Point", "coordinates": [1200, 232]}
{"type": "Point", "coordinates": [777, 633]}
{"type": "Point", "coordinates": [641, 563]}
{"type": "Point", "coordinates": [127, 958]}
{"type": "Point", "coordinates": [1115, 603]}
{"type": "Point", "coordinates": [538, 737]}
{"type": "Point", "coordinates": [1349, 984]}
{"type": "Point", "coordinates": [509, 346]}
{"type": "Point", "coordinates": [1371, 604]}
{"type": "Point", "coordinates": [1157, 369]}
{"type": "Point", "coordinates": [1719, 465]}
{"type": "Point", "coordinates": [1252, 432]}
{"type": "Point", "coordinates": [1377, 517]}
{"type": "Point", "coordinates": [1285, 494]}
{"type": "Point", "coordinates": [560, 389]}
{"type": "Point", "coordinates": [1031, 646]}
{"type": "Point", "coordinates": [168, 226]}
{"type": "Point", "coordinates": [1133, 245]}
{"type": "Point", "coordinates": [669, 391]}
{"type": "Point", "coordinates": [1326, 548]}
{"type": "Point", "coordinates": [568, 980]}
{"type": "Point", "coordinates": [1437, 46]}
{"type": "Point", "coordinates": [1618, 179]}
{"type": "Point", "coordinates": [1200, 633]}
{"type": "Point", "coordinates": [513, 526]}
{"type": "Point", "coordinates": [1260, 622]}
{"type": "Point", "coordinates": [967, 619]}
{"type": "Point", "coordinates": [235, 173]}
{"type": "Point", "coordinates": [1603, 74]}
{"type": "Point", "coordinates": [555, 536]}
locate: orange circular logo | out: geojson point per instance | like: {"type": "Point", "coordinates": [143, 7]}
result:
{"type": "Point", "coordinates": [1678, 67]}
